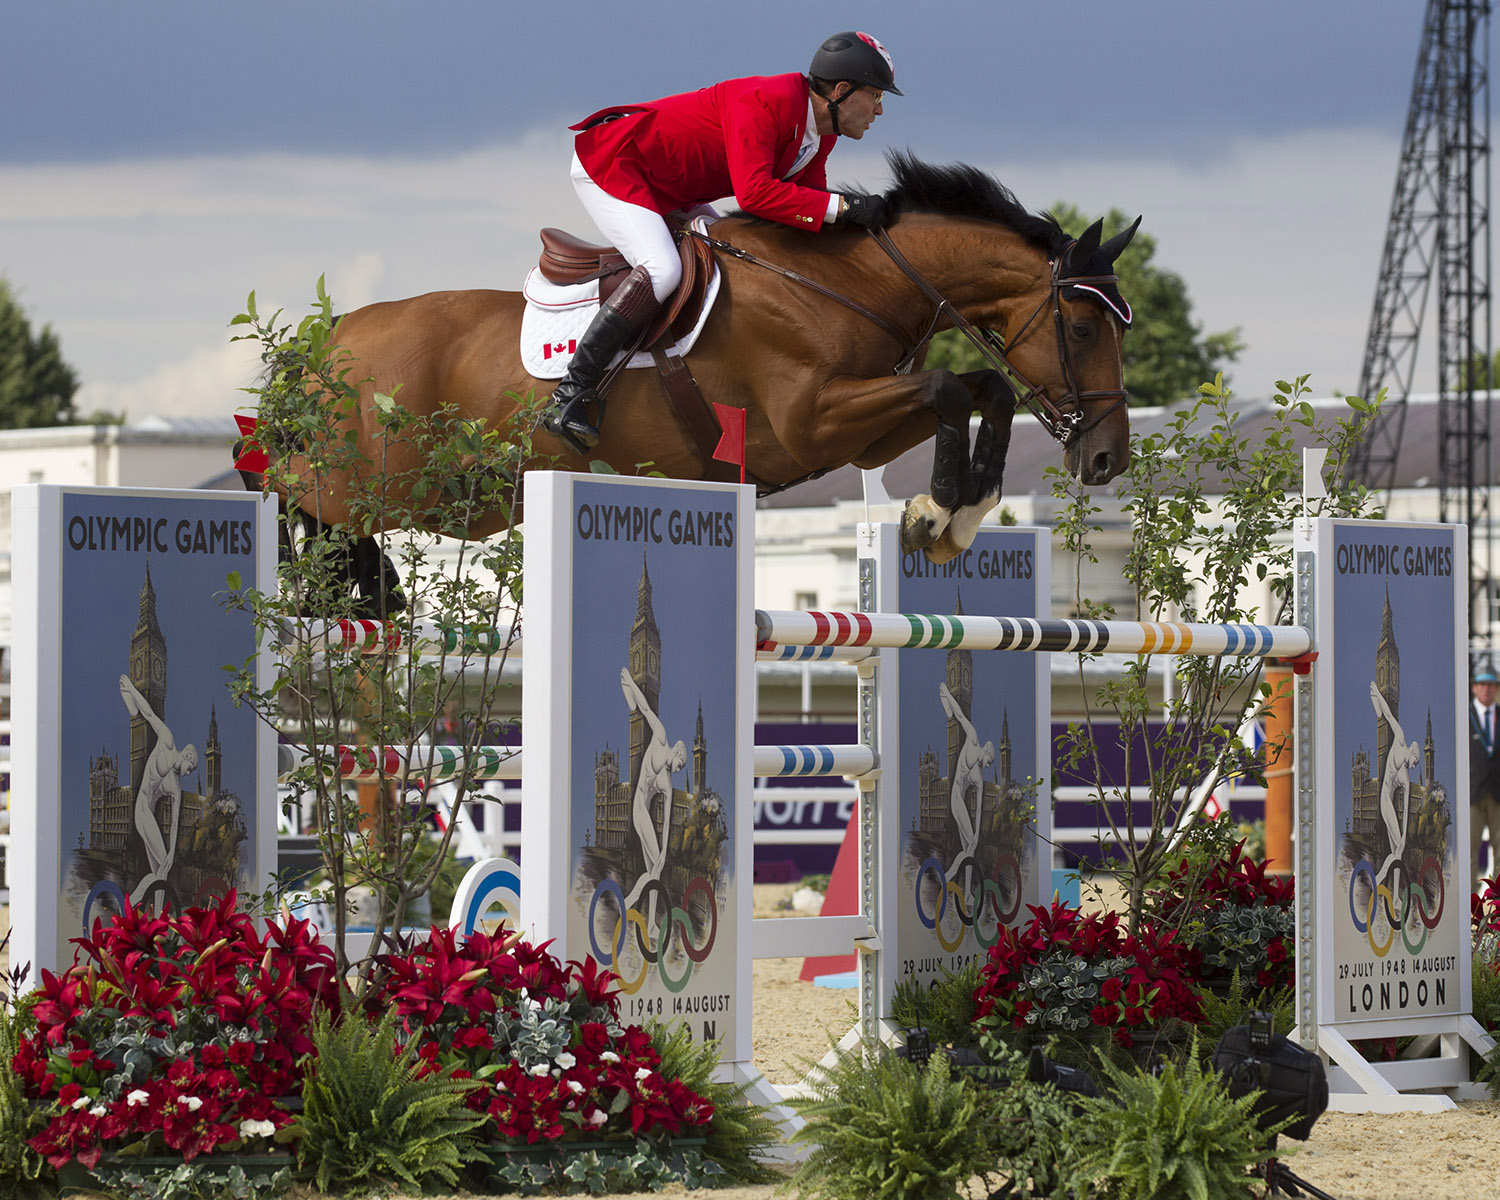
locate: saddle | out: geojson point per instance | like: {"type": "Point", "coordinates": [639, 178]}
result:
{"type": "Point", "coordinates": [567, 259]}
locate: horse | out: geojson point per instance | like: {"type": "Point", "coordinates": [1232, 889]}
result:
{"type": "Point", "coordinates": [820, 339]}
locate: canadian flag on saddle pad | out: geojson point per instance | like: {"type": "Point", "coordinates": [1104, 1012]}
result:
{"type": "Point", "coordinates": [556, 316]}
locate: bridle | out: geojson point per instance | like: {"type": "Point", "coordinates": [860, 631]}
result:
{"type": "Point", "coordinates": [1062, 421]}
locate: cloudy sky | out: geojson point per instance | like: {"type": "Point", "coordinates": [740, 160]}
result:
{"type": "Point", "coordinates": [160, 159]}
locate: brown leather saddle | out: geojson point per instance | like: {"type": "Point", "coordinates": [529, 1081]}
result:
{"type": "Point", "coordinates": [570, 260]}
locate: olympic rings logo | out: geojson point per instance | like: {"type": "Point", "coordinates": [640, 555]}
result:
{"type": "Point", "coordinates": [969, 907]}
{"type": "Point", "coordinates": [1397, 903]}
{"type": "Point", "coordinates": [653, 946]}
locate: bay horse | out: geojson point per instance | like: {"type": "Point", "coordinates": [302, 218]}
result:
{"type": "Point", "coordinates": [820, 339]}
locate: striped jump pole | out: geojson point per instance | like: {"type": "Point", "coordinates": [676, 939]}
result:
{"type": "Point", "coordinates": [439, 763]}
{"type": "Point", "coordinates": [939, 632]}
{"type": "Point", "coordinates": [430, 639]}
{"type": "Point", "coordinates": [426, 638]}
{"type": "Point", "coordinates": [434, 764]}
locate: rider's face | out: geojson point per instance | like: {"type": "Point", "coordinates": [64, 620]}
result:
{"type": "Point", "coordinates": [858, 109]}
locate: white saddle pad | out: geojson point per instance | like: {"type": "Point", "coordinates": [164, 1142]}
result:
{"type": "Point", "coordinates": [556, 317]}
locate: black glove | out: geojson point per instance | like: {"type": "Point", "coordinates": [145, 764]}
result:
{"type": "Point", "coordinates": [866, 211]}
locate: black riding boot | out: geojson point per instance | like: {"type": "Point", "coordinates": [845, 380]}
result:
{"type": "Point", "coordinates": [619, 320]}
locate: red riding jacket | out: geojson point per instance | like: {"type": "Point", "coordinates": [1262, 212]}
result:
{"type": "Point", "coordinates": [738, 137]}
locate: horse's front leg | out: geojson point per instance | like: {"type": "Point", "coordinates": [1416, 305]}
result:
{"type": "Point", "coordinates": [925, 519]}
{"type": "Point", "coordinates": [869, 422]}
{"type": "Point", "coordinates": [996, 404]}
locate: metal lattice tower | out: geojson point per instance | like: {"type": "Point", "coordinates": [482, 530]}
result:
{"type": "Point", "coordinates": [1440, 229]}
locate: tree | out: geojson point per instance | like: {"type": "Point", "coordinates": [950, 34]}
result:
{"type": "Point", "coordinates": [431, 699]}
{"type": "Point", "coordinates": [1166, 356]}
{"type": "Point", "coordinates": [36, 385]}
{"type": "Point", "coordinates": [1209, 502]}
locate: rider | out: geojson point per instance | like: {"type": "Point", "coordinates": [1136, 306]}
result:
{"type": "Point", "coordinates": [765, 139]}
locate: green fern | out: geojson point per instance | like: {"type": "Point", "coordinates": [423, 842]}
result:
{"type": "Point", "coordinates": [1173, 1136]}
{"type": "Point", "coordinates": [944, 1007]}
{"type": "Point", "coordinates": [882, 1127]}
{"type": "Point", "coordinates": [741, 1131]}
{"type": "Point", "coordinates": [1223, 1013]}
{"type": "Point", "coordinates": [369, 1118]}
{"type": "Point", "coordinates": [21, 1167]}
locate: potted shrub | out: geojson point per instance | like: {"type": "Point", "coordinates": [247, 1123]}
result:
{"type": "Point", "coordinates": [178, 1037]}
{"type": "Point", "coordinates": [1083, 977]}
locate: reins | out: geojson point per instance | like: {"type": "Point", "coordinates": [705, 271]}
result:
{"type": "Point", "coordinates": [796, 277]}
{"type": "Point", "coordinates": [1062, 424]}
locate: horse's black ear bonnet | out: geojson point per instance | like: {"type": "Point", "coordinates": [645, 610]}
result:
{"type": "Point", "coordinates": [1087, 257]}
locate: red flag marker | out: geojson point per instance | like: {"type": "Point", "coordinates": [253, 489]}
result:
{"type": "Point", "coordinates": [731, 447]}
{"type": "Point", "coordinates": [252, 458]}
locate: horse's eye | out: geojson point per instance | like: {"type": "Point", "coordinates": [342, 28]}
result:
{"type": "Point", "coordinates": [1082, 330]}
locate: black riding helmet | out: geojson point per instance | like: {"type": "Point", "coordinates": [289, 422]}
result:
{"type": "Point", "coordinates": [857, 58]}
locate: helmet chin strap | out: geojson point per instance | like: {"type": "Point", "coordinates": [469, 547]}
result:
{"type": "Point", "coordinates": [833, 107]}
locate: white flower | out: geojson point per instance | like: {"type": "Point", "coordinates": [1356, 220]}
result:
{"type": "Point", "coordinates": [81, 1102]}
{"type": "Point", "coordinates": [541, 1069]}
{"type": "Point", "coordinates": [137, 1097]}
{"type": "Point", "coordinates": [252, 1128]}
{"type": "Point", "coordinates": [565, 1060]}
{"type": "Point", "coordinates": [610, 1056]}
{"type": "Point", "coordinates": [597, 1118]}
{"type": "Point", "coordinates": [500, 1085]}
{"type": "Point", "coordinates": [642, 1073]}
{"type": "Point", "coordinates": [98, 1110]}
{"type": "Point", "coordinates": [192, 1102]}
{"type": "Point", "coordinates": [575, 1086]}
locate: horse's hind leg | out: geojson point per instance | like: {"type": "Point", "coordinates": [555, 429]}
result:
{"type": "Point", "coordinates": [377, 579]}
{"type": "Point", "coordinates": [996, 403]}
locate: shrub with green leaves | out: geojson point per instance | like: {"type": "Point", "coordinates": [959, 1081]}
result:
{"type": "Point", "coordinates": [1176, 1135]}
{"type": "Point", "coordinates": [369, 1117]}
{"type": "Point", "coordinates": [21, 1167]}
{"type": "Point", "coordinates": [882, 1126]}
{"type": "Point", "coordinates": [1029, 1125]}
{"type": "Point", "coordinates": [741, 1131]}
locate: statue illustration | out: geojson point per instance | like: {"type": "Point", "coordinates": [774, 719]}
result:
{"type": "Point", "coordinates": [659, 763]}
{"type": "Point", "coordinates": [162, 777]}
{"type": "Point", "coordinates": [1400, 759]}
{"type": "Point", "coordinates": [967, 772]}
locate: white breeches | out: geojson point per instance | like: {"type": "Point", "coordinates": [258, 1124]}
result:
{"type": "Point", "coordinates": [638, 233]}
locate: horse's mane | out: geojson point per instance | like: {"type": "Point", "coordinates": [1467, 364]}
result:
{"type": "Point", "coordinates": [959, 190]}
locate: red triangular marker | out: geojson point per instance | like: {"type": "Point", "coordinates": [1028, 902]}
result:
{"type": "Point", "coordinates": [841, 900]}
{"type": "Point", "coordinates": [731, 447]}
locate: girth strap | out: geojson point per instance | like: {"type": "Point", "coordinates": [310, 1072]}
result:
{"type": "Point", "coordinates": [692, 410]}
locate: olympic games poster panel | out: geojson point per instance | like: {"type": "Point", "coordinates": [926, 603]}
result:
{"type": "Point", "coordinates": [972, 729]}
{"type": "Point", "coordinates": [658, 644]}
{"type": "Point", "coordinates": [1399, 906]}
{"type": "Point", "coordinates": [158, 769]}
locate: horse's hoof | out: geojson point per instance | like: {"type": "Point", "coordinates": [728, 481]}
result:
{"type": "Point", "coordinates": [921, 524]}
{"type": "Point", "coordinates": [916, 533]}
